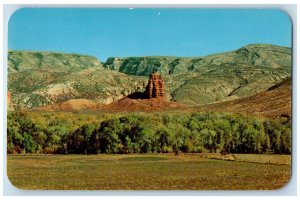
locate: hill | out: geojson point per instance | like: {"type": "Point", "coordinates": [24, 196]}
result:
{"type": "Point", "coordinates": [274, 102]}
{"type": "Point", "coordinates": [72, 105]}
{"type": "Point", "coordinates": [19, 61]}
{"type": "Point", "coordinates": [142, 105]}
{"type": "Point", "coordinates": [40, 79]}
{"type": "Point", "coordinates": [44, 78]}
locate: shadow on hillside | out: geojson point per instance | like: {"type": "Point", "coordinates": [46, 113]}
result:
{"type": "Point", "coordinates": [137, 95]}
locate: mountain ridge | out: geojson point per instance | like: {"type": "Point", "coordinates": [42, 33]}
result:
{"type": "Point", "coordinates": [55, 78]}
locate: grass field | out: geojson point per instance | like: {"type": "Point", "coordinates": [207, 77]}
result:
{"type": "Point", "coordinates": [147, 172]}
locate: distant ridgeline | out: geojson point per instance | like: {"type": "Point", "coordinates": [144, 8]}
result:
{"type": "Point", "coordinates": [251, 55]}
{"type": "Point", "coordinates": [43, 78]}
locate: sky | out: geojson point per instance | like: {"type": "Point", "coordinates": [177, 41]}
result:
{"type": "Point", "coordinates": [124, 32]}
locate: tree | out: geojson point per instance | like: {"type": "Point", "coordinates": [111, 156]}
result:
{"type": "Point", "coordinates": [209, 137]}
{"type": "Point", "coordinates": [80, 140]}
{"type": "Point", "coordinates": [29, 143]}
{"type": "Point", "coordinates": [108, 136]}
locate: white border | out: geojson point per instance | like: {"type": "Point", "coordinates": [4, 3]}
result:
{"type": "Point", "coordinates": [290, 189]}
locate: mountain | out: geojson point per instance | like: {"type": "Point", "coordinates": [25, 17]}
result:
{"type": "Point", "coordinates": [262, 55]}
{"type": "Point", "coordinates": [60, 77]}
{"type": "Point", "coordinates": [274, 102]}
{"type": "Point", "coordinates": [44, 78]}
{"type": "Point", "coordinates": [217, 77]}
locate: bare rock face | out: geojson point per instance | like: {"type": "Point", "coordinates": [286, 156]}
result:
{"type": "Point", "coordinates": [155, 87]}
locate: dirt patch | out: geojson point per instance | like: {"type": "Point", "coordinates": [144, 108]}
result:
{"type": "Point", "coordinates": [143, 105]}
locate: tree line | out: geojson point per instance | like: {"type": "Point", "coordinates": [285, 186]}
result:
{"type": "Point", "coordinates": [29, 132]}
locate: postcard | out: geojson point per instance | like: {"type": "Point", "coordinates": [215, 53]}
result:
{"type": "Point", "coordinates": [149, 99]}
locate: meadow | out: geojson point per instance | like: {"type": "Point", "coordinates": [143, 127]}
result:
{"type": "Point", "coordinates": [197, 171]}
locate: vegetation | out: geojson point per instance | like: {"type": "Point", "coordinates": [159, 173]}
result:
{"type": "Point", "coordinates": [143, 172]}
{"type": "Point", "coordinates": [68, 133]}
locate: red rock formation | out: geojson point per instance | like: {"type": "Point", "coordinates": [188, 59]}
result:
{"type": "Point", "coordinates": [8, 97]}
{"type": "Point", "coordinates": [155, 87]}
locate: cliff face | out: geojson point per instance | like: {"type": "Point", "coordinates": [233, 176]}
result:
{"type": "Point", "coordinates": [155, 87]}
{"type": "Point", "coordinates": [258, 55]}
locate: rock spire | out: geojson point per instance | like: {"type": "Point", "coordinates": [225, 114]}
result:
{"type": "Point", "coordinates": [155, 87]}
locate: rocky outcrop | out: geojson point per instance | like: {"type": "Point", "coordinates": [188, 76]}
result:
{"type": "Point", "coordinates": [141, 66]}
{"type": "Point", "coordinates": [8, 97]}
{"type": "Point", "coordinates": [113, 63]}
{"type": "Point", "coordinates": [9, 102]}
{"type": "Point", "coordinates": [155, 87]}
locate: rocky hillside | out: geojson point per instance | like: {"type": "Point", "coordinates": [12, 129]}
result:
{"type": "Point", "coordinates": [19, 61]}
{"type": "Point", "coordinates": [43, 78]}
{"type": "Point", "coordinates": [218, 77]}
{"type": "Point", "coordinates": [274, 102]}
{"type": "Point", "coordinates": [39, 79]}
{"type": "Point", "coordinates": [261, 55]}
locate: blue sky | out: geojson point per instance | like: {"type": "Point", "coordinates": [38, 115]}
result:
{"type": "Point", "coordinates": [145, 32]}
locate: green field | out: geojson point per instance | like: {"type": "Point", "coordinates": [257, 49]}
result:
{"type": "Point", "coordinates": [148, 172]}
